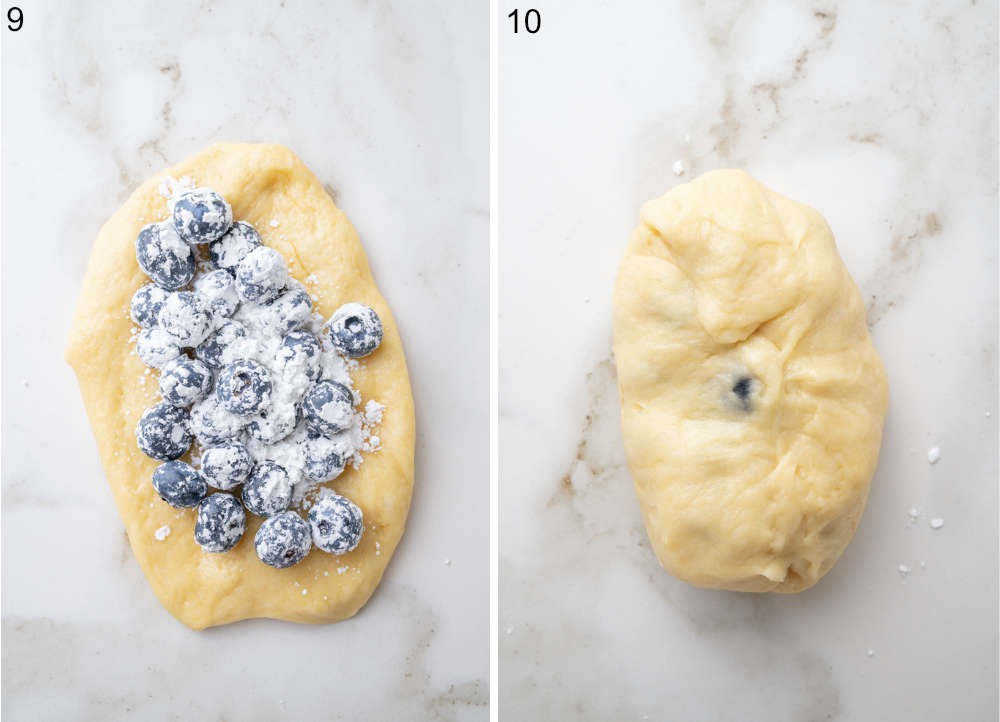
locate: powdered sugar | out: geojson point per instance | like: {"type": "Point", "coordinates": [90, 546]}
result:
{"type": "Point", "coordinates": [162, 533]}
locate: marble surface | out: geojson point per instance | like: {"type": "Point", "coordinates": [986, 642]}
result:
{"type": "Point", "coordinates": [882, 116]}
{"type": "Point", "coordinates": [388, 104]}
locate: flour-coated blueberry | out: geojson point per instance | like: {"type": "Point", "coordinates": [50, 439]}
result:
{"type": "Point", "coordinates": [146, 304]}
{"type": "Point", "coordinates": [179, 484]}
{"type": "Point", "coordinates": [325, 457]}
{"type": "Point", "coordinates": [156, 347]}
{"type": "Point", "coordinates": [355, 330]}
{"type": "Point", "coordinates": [336, 523]}
{"type": "Point", "coordinates": [291, 309]}
{"type": "Point", "coordinates": [261, 275]}
{"type": "Point", "coordinates": [218, 293]}
{"type": "Point", "coordinates": [184, 316]}
{"type": "Point", "coordinates": [268, 489]}
{"type": "Point", "coordinates": [244, 387]}
{"type": "Point", "coordinates": [220, 523]}
{"type": "Point", "coordinates": [213, 349]}
{"type": "Point", "coordinates": [299, 353]}
{"type": "Point", "coordinates": [328, 407]}
{"type": "Point", "coordinates": [227, 252]}
{"type": "Point", "coordinates": [283, 540]}
{"type": "Point", "coordinates": [183, 381]}
{"type": "Point", "coordinates": [226, 465]}
{"type": "Point", "coordinates": [273, 424]}
{"type": "Point", "coordinates": [162, 432]}
{"type": "Point", "coordinates": [201, 215]}
{"type": "Point", "coordinates": [212, 423]}
{"type": "Point", "coordinates": [164, 256]}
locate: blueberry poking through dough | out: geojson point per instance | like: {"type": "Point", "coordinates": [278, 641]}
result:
{"type": "Point", "coordinates": [244, 387]}
{"type": "Point", "coordinates": [179, 484]}
{"type": "Point", "coordinates": [218, 293]}
{"type": "Point", "coordinates": [299, 353]}
{"type": "Point", "coordinates": [337, 524]}
{"type": "Point", "coordinates": [743, 389]}
{"type": "Point", "coordinates": [156, 347]}
{"type": "Point", "coordinates": [227, 252]}
{"type": "Point", "coordinates": [220, 524]}
{"type": "Point", "coordinates": [283, 540]}
{"type": "Point", "coordinates": [268, 490]}
{"type": "Point", "coordinates": [261, 275]}
{"type": "Point", "coordinates": [226, 465]}
{"type": "Point", "coordinates": [201, 215]}
{"type": "Point", "coordinates": [213, 348]}
{"type": "Point", "coordinates": [162, 432]}
{"type": "Point", "coordinates": [328, 407]}
{"type": "Point", "coordinates": [325, 458]}
{"type": "Point", "coordinates": [164, 256]}
{"type": "Point", "coordinates": [355, 330]}
{"type": "Point", "coordinates": [146, 304]}
{"type": "Point", "coordinates": [184, 316]}
{"type": "Point", "coordinates": [183, 381]}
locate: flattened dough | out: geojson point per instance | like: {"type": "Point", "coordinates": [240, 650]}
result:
{"type": "Point", "coordinates": [265, 184]}
{"type": "Point", "coordinates": [752, 397]}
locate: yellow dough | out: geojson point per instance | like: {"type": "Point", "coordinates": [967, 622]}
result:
{"type": "Point", "coordinates": [752, 397]}
{"type": "Point", "coordinates": [268, 186]}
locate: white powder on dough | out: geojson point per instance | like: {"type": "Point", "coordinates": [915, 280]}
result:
{"type": "Point", "coordinates": [262, 343]}
{"type": "Point", "coordinates": [162, 533]}
{"type": "Point", "coordinates": [937, 523]}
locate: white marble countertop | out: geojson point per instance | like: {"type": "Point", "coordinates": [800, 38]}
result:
{"type": "Point", "coordinates": [386, 103]}
{"type": "Point", "coordinates": [882, 116]}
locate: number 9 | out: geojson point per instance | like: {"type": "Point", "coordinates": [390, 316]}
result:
{"type": "Point", "coordinates": [15, 17]}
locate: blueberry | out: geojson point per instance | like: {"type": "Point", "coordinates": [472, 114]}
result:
{"type": "Point", "coordinates": [162, 432]}
{"type": "Point", "coordinates": [226, 465]}
{"type": "Point", "coordinates": [179, 484]}
{"type": "Point", "coordinates": [183, 381]}
{"type": "Point", "coordinates": [291, 309]}
{"type": "Point", "coordinates": [212, 423]}
{"type": "Point", "coordinates": [244, 387]}
{"type": "Point", "coordinates": [283, 540]}
{"type": "Point", "coordinates": [272, 425]}
{"type": "Point", "coordinates": [299, 353]}
{"type": "Point", "coordinates": [218, 293]}
{"type": "Point", "coordinates": [164, 257]}
{"type": "Point", "coordinates": [185, 317]}
{"type": "Point", "coordinates": [227, 252]}
{"type": "Point", "coordinates": [325, 457]}
{"type": "Point", "coordinates": [212, 349]}
{"type": "Point", "coordinates": [328, 407]}
{"type": "Point", "coordinates": [355, 330]}
{"type": "Point", "coordinates": [337, 524]}
{"type": "Point", "coordinates": [268, 490]}
{"type": "Point", "coordinates": [201, 215]}
{"type": "Point", "coordinates": [146, 304]}
{"type": "Point", "coordinates": [743, 390]}
{"type": "Point", "coordinates": [220, 524]}
{"type": "Point", "coordinates": [156, 347]}
{"type": "Point", "coordinates": [261, 275]}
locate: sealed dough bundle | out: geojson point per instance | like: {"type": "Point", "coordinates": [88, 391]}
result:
{"type": "Point", "coordinates": [752, 397]}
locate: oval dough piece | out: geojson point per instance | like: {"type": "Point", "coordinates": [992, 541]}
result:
{"type": "Point", "coordinates": [271, 188]}
{"type": "Point", "coordinates": [752, 397]}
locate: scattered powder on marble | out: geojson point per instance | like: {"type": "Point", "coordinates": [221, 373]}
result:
{"type": "Point", "coordinates": [937, 523]}
{"type": "Point", "coordinates": [679, 168]}
{"type": "Point", "coordinates": [934, 455]}
{"type": "Point", "coordinates": [870, 652]}
{"type": "Point", "coordinates": [923, 565]}
{"type": "Point", "coordinates": [447, 562]}
{"type": "Point", "coordinates": [162, 533]}
{"type": "Point", "coordinates": [904, 570]}
{"type": "Point", "coordinates": [687, 138]}
{"type": "Point", "coordinates": [509, 630]}
{"type": "Point", "coordinates": [987, 414]}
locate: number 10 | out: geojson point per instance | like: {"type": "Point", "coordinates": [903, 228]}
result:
{"type": "Point", "coordinates": [532, 20]}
